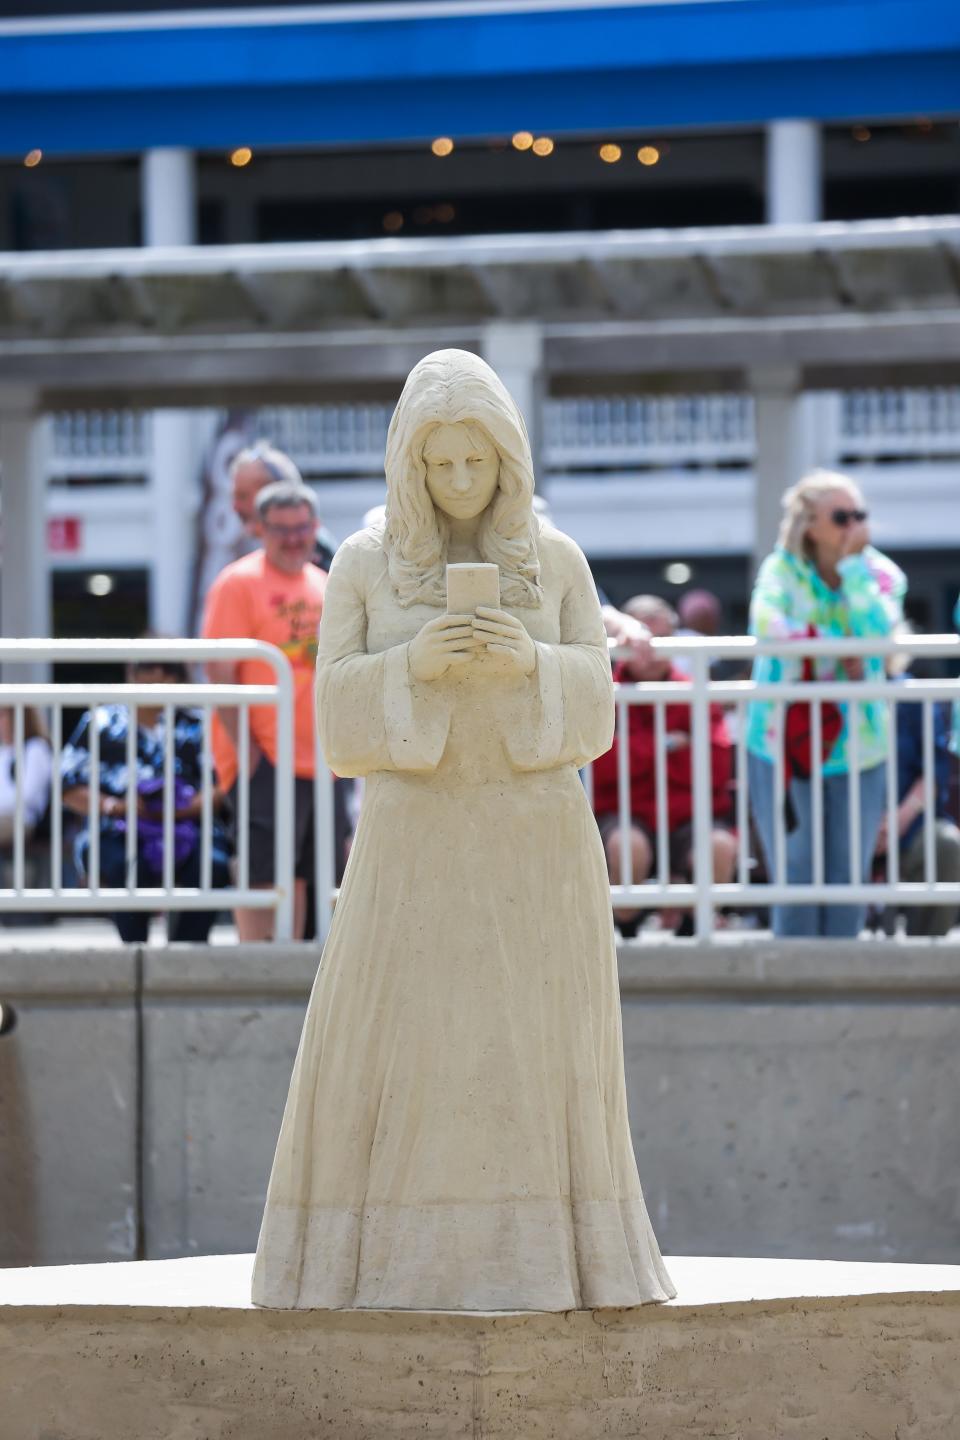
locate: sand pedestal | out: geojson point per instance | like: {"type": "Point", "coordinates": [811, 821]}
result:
{"type": "Point", "coordinates": [751, 1349]}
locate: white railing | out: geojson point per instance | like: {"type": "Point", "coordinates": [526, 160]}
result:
{"type": "Point", "coordinates": [59, 898]}
{"type": "Point", "coordinates": [99, 444]}
{"type": "Point", "coordinates": [701, 893]}
{"type": "Point", "coordinates": [648, 430]}
{"type": "Point", "coordinates": [899, 423]}
{"type": "Point", "coordinates": [583, 432]}
{"type": "Point", "coordinates": [329, 440]}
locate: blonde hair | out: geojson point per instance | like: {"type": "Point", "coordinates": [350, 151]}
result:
{"type": "Point", "coordinates": [799, 506]}
{"type": "Point", "coordinates": [454, 387]}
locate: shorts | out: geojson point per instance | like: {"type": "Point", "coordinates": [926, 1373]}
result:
{"type": "Point", "coordinates": [679, 841]}
{"type": "Point", "coordinates": [260, 852]}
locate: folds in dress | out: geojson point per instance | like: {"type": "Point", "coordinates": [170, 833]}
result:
{"type": "Point", "coordinates": [456, 1132]}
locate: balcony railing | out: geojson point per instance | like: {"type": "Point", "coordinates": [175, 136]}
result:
{"type": "Point", "coordinates": [581, 433]}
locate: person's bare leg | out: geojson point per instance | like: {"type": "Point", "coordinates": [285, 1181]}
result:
{"type": "Point", "coordinates": [299, 908]}
{"type": "Point", "coordinates": [724, 847]}
{"type": "Point", "coordinates": [254, 926]}
{"type": "Point", "coordinates": [642, 859]}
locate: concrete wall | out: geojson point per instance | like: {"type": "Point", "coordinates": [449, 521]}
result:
{"type": "Point", "coordinates": [220, 1032]}
{"type": "Point", "coordinates": [797, 1101]}
{"type": "Point", "coordinates": [785, 1100]}
{"type": "Point", "coordinates": [69, 1128]}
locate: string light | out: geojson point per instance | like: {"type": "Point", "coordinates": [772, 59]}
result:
{"type": "Point", "coordinates": [523, 140]}
{"type": "Point", "coordinates": [241, 156]}
{"type": "Point", "coordinates": [860, 132]}
{"type": "Point", "coordinates": [543, 145]}
{"type": "Point", "coordinates": [648, 155]}
{"type": "Point", "coordinates": [32, 158]}
{"type": "Point", "coordinates": [393, 221]}
{"type": "Point", "coordinates": [442, 146]}
{"type": "Point", "coordinates": [445, 212]}
{"type": "Point", "coordinates": [610, 153]}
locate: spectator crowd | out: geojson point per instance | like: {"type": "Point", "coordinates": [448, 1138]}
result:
{"type": "Point", "coordinates": [824, 579]}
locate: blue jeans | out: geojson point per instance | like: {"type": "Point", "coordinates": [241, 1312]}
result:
{"type": "Point", "coordinates": [837, 921]}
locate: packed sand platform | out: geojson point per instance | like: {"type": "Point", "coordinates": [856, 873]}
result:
{"type": "Point", "coordinates": [757, 1349]}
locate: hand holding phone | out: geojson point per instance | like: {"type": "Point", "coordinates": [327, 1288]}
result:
{"type": "Point", "coordinates": [471, 585]}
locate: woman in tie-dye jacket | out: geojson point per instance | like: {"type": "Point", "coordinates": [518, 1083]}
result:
{"type": "Point", "coordinates": [823, 578]}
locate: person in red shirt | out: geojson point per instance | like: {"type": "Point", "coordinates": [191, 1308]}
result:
{"type": "Point", "coordinates": [274, 594]}
{"type": "Point", "coordinates": [679, 786]}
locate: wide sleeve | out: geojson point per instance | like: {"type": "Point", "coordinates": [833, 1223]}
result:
{"type": "Point", "coordinates": [568, 714]}
{"type": "Point", "coordinates": [773, 603]}
{"type": "Point", "coordinates": [874, 588]}
{"type": "Point", "coordinates": [371, 713]}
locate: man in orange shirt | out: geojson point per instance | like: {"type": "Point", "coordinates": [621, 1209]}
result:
{"type": "Point", "coordinates": [274, 594]}
{"type": "Point", "coordinates": [262, 464]}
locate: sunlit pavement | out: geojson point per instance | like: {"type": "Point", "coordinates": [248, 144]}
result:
{"type": "Point", "coordinates": [95, 933]}
{"type": "Point", "coordinates": [91, 933]}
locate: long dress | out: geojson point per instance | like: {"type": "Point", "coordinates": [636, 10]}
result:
{"type": "Point", "coordinates": [456, 1135]}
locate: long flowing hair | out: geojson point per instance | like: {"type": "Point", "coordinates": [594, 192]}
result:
{"type": "Point", "coordinates": [453, 387]}
{"type": "Point", "coordinates": [799, 508]}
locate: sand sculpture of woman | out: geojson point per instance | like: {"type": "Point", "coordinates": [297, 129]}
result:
{"type": "Point", "coordinates": [456, 1132]}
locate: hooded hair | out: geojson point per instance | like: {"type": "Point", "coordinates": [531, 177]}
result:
{"type": "Point", "coordinates": [454, 387]}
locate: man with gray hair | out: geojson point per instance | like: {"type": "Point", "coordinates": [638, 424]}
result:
{"type": "Point", "coordinates": [273, 594]}
{"type": "Point", "coordinates": [255, 467]}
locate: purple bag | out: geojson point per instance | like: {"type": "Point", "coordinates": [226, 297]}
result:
{"type": "Point", "coordinates": [150, 829]}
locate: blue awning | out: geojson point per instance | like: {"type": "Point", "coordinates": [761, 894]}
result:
{"type": "Point", "coordinates": [404, 70]}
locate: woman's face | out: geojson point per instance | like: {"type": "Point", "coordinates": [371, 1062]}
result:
{"type": "Point", "coordinates": [463, 470]}
{"type": "Point", "coordinates": [824, 531]}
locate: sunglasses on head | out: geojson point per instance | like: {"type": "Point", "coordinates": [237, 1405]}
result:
{"type": "Point", "coordinates": [844, 517]}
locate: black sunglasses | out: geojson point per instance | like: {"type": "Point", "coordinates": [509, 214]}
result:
{"type": "Point", "coordinates": [844, 517]}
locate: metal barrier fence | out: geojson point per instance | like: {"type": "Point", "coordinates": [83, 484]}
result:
{"type": "Point", "coordinates": [699, 893]}
{"type": "Point", "coordinates": [58, 898]}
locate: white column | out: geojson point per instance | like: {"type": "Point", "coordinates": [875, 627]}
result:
{"type": "Point", "coordinates": [168, 197]}
{"type": "Point", "coordinates": [168, 190]}
{"type": "Point", "coordinates": [786, 440]}
{"type": "Point", "coordinates": [24, 571]}
{"type": "Point", "coordinates": [515, 350]}
{"type": "Point", "coordinates": [793, 178]}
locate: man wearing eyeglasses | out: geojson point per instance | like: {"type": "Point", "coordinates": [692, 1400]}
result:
{"type": "Point", "coordinates": [274, 594]}
{"type": "Point", "coordinates": [257, 466]}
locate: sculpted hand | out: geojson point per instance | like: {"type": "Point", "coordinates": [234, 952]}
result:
{"type": "Point", "coordinates": [446, 641]}
{"type": "Point", "coordinates": [506, 637]}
